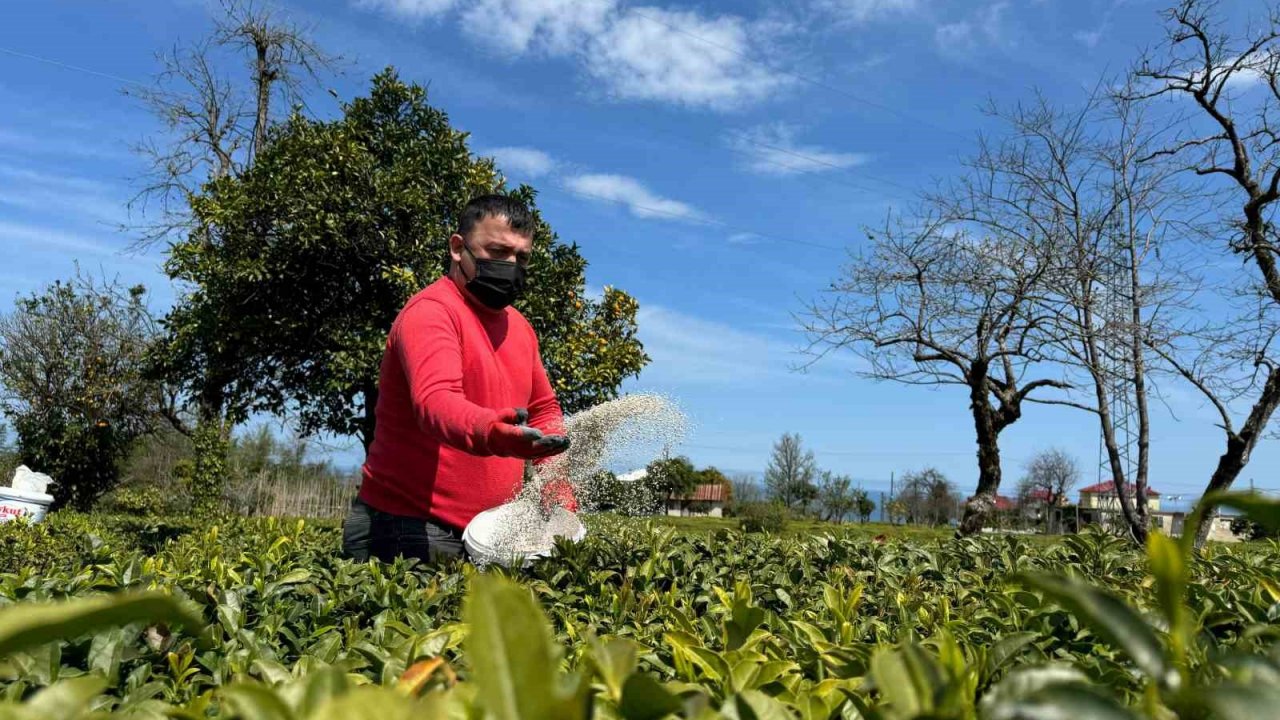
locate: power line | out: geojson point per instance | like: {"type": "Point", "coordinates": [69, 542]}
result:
{"type": "Point", "coordinates": [67, 66]}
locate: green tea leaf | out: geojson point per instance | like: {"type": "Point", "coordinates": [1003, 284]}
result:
{"type": "Point", "coordinates": [1169, 567]}
{"type": "Point", "coordinates": [66, 699]}
{"type": "Point", "coordinates": [907, 677]}
{"type": "Point", "coordinates": [1111, 619]}
{"type": "Point", "coordinates": [1255, 506]}
{"type": "Point", "coordinates": [1005, 649]}
{"type": "Point", "coordinates": [293, 577]}
{"type": "Point", "coordinates": [320, 687]}
{"type": "Point", "coordinates": [380, 703]}
{"type": "Point", "coordinates": [1243, 702]}
{"type": "Point", "coordinates": [27, 625]}
{"type": "Point", "coordinates": [1062, 702]}
{"type": "Point", "coordinates": [614, 660]}
{"type": "Point", "coordinates": [644, 699]}
{"type": "Point", "coordinates": [754, 705]}
{"type": "Point", "coordinates": [105, 652]}
{"type": "Point", "coordinates": [255, 702]}
{"type": "Point", "coordinates": [511, 651]}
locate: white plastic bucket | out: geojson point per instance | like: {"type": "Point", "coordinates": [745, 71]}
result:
{"type": "Point", "coordinates": [482, 536]}
{"type": "Point", "coordinates": [20, 503]}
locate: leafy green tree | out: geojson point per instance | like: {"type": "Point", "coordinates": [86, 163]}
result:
{"type": "Point", "coordinates": [790, 474]}
{"type": "Point", "coordinates": [71, 359]}
{"type": "Point", "coordinates": [213, 125]}
{"type": "Point", "coordinates": [835, 496]}
{"type": "Point", "coordinates": [672, 477]}
{"type": "Point", "coordinates": [8, 456]}
{"type": "Point", "coordinates": [863, 505]}
{"type": "Point", "coordinates": [302, 261]}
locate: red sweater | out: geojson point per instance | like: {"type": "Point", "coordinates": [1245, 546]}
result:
{"type": "Point", "coordinates": [450, 364]}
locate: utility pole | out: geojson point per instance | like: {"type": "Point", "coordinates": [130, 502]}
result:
{"type": "Point", "coordinates": [891, 496]}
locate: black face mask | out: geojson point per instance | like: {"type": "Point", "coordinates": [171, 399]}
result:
{"type": "Point", "coordinates": [497, 283]}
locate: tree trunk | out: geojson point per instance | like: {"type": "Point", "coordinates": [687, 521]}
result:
{"type": "Point", "coordinates": [983, 501]}
{"type": "Point", "coordinates": [263, 77]}
{"type": "Point", "coordinates": [1240, 445]}
{"type": "Point", "coordinates": [1139, 387]}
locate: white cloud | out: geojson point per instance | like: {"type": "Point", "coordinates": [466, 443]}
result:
{"type": "Point", "coordinates": [687, 349]}
{"type": "Point", "coordinates": [408, 9]}
{"type": "Point", "coordinates": [868, 10]}
{"type": "Point", "coordinates": [744, 238]}
{"type": "Point", "coordinates": [690, 350]}
{"type": "Point", "coordinates": [12, 234]}
{"type": "Point", "coordinates": [523, 160]}
{"type": "Point", "coordinates": [984, 26]}
{"type": "Point", "coordinates": [22, 143]}
{"type": "Point", "coordinates": [772, 150]}
{"type": "Point", "coordinates": [556, 27]}
{"type": "Point", "coordinates": [633, 53]}
{"type": "Point", "coordinates": [1248, 75]}
{"type": "Point", "coordinates": [631, 192]}
{"type": "Point", "coordinates": [1088, 38]}
{"type": "Point", "coordinates": [73, 198]}
{"type": "Point", "coordinates": [679, 57]}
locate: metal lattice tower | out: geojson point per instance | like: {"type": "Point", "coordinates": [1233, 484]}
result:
{"type": "Point", "coordinates": [1116, 322]}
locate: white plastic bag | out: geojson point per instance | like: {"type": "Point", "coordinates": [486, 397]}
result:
{"type": "Point", "coordinates": [26, 480]}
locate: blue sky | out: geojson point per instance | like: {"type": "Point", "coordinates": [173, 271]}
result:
{"type": "Point", "coordinates": [708, 158]}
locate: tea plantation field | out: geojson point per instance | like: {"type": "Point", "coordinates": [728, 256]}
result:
{"type": "Point", "coordinates": [258, 619]}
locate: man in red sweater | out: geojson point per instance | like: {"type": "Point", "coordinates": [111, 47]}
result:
{"type": "Point", "coordinates": [463, 398]}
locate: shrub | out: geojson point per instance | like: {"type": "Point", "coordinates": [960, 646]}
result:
{"type": "Point", "coordinates": [61, 540]}
{"type": "Point", "coordinates": [137, 500]}
{"type": "Point", "coordinates": [762, 517]}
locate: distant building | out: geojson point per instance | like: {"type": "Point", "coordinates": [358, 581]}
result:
{"type": "Point", "coordinates": [705, 500]}
{"type": "Point", "coordinates": [634, 475]}
{"type": "Point", "coordinates": [1220, 528]}
{"type": "Point", "coordinates": [1103, 496]}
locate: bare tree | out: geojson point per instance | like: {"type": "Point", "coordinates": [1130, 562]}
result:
{"type": "Point", "coordinates": [940, 300]}
{"type": "Point", "coordinates": [1050, 475]}
{"type": "Point", "coordinates": [1071, 181]}
{"type": "Point", "coordinates": [928, 496]}
{"type": "Point", "coordinates": [1233, 145]}
{"type": "Point", "coordinates": [217, 125]}
{"type": "Point", "coordinates": [745, 490]}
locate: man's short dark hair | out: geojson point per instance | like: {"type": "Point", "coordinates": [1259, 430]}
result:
{"type": "Point", "coordinates": [478, 208]}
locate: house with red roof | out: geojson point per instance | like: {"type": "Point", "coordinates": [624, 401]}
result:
{"type": "Point", "coordinates": [1103, 496]}
{"type": "Point", "coordinates": [706, 500]}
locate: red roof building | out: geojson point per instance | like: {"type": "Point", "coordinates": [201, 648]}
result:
{"type": "Point", "coordinates": [1103, 496]}
{"type": "Point", "coordinates": [1109, 488]}
{"type": "Point", "coordinates": [705, 500]}
{"type": "Point", "coordinates": [707, 493]}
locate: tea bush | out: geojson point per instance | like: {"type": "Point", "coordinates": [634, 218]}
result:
{"type": "Point", "coordinates": [260, 619]}
{"type": "Point", "coordinates": [761, 517]}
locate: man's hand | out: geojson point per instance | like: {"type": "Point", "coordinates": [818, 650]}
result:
{"type": "Point", "coordinates": [509, 437]}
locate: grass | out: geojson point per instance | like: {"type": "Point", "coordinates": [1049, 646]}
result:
{"type": "Point", "coordinates": [807, 527]}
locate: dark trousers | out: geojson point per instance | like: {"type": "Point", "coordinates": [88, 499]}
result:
{"type": "Point", "coordinates": [367, 532]}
